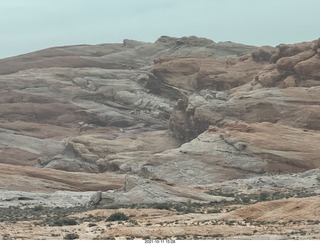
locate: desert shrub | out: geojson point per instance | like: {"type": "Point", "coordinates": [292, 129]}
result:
{"type": "Point", "coordinates": [38, 208]}
{"type": "Point", "coordinates": [61, 222]}
{"type": "Point", "coordinates": [164, 205]}
{"type": "Point", "coordinates": [117, 216]}
{"type": "Point", "coordinates": [216, 235]}
{"type": "Point", "coordinates": [181, 237]}
{"type": "Point", "coordinates": [71, 236]}
{"type": "Point", "coordinates": [112, 207]}
{"type": "Point", "coordinates": [133, 222]}
{"type": "Point", "coordinates": [264, 196]}
{"type": "Point", "coordinates": [214, 211]}
{"type": "Point", "coordinates": [6, 237]}
{"type": "Point", "coordinates": [245, 200]}
{"type": "Point", "coordinates": [110, 238]}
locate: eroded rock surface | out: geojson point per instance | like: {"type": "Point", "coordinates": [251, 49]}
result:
{"type": "Point", "coordinates": [169, 121]}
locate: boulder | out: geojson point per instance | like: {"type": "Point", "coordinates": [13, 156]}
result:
{"type": "Point", "coordinates": [288, 63]}
{"type": "Point", "coordinates": [309, 68]}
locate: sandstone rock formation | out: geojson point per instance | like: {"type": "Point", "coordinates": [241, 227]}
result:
{"type": "Point", "coordinates": [139, 123]}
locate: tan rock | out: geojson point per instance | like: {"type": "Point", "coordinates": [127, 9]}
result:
{"type": "Point", "coordinates": [192, 74]}
{"type": "Point", "coordinates": [282, 210]}
{"type": "Point", "coordinates": [30, 179]}
{"type": "Point", "coordinates": [309, 68]}
{"type": "Point", "coordinates": [121, 153]}
{"type": "Point", "coordinates": [287, 63]}
{"type": "Point", "coordinates": [263, 54]}
{"type": "Point", "coordinates": [269, 76]}
{"type": "Point", "coordinates": [290, 81]}
{"type": "Point", "coordinates": [291, 150]}
{"type": "Point", "coordinates": [294, 106]}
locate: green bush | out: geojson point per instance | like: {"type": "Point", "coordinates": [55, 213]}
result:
{"type": "Point", "coordinates": [71, 236]}
{"type": "Point", "coordinates": [117, 216]}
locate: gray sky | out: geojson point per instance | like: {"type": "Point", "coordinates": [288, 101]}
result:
{"type": "Point", "coordinates": [29, 25]}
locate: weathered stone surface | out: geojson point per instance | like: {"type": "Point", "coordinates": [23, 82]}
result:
{"type": "Point", "coordinates": [95, 118]}
{"type": "Point", "coordinates": [95, 198]}
{"type": "Point", "coordinates": [263, 54]}
{"type": "Point", "coordinates": [298, 61]}
{"type": "Point", "coordinates": [129, 54]}
{"type": "Point", "coordinates": [62, 199]}
{"type": "Point", "coordinates": [30, 179]}
{"type": "Point", "coordinates": [309, 68]}
{"type": "Point", "coordinates": [281, 152]}
{"type": "Point", "coordinates": [138, 190]}
{"type": "Point", "coordinates": [194, 74]}
{"type": "Point", "coordinates": [287, 50]}
{"type": "Point", "coordinates": [284, 210]}
{"type": "Point", "coordinates": [307, 181]}
{"type": "Point", "coordinates": [293, 106]}
{"type": "Point", "coordinates": [288, 63]}
{"type": "Point", "coordinates": [238, 150]}
{"type": "Point", "coordinates": [124, 153]}
{"type": "Point", "coordinates": [269, 76]}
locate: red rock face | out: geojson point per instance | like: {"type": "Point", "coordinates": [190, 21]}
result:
{"type": "Point", "coordinates": [296, 65]}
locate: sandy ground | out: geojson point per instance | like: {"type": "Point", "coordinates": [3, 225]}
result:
{"type": "Point", "coordinates": [281, 219]}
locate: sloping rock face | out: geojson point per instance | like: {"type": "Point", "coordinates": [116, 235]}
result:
{"type": "Point", "coordinates": [176, 115]}
{"type": "Point", "coordinates": [238, 150]}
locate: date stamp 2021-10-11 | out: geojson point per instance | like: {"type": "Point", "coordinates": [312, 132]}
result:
{"type": "Point", "coordinates": [160, 242]}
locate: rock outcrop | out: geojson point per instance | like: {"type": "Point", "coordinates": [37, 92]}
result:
{"type": "Point", "coordinates": [61, 199]}
{"type": "Point", "coordinates": [285, 90]}
{"type": "Point", "coordinates": [297, 107]}
{"type": "Point", "coordinates": [190, 74]}
{"type": "Point", "coordinates": [155, 121]}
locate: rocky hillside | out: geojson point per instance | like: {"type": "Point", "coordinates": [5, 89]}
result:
{"type": "Point", "coordinates": [178, 120]}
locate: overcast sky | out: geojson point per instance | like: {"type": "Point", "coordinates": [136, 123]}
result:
{"type": "Point", "coordinates": [29, 25]}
